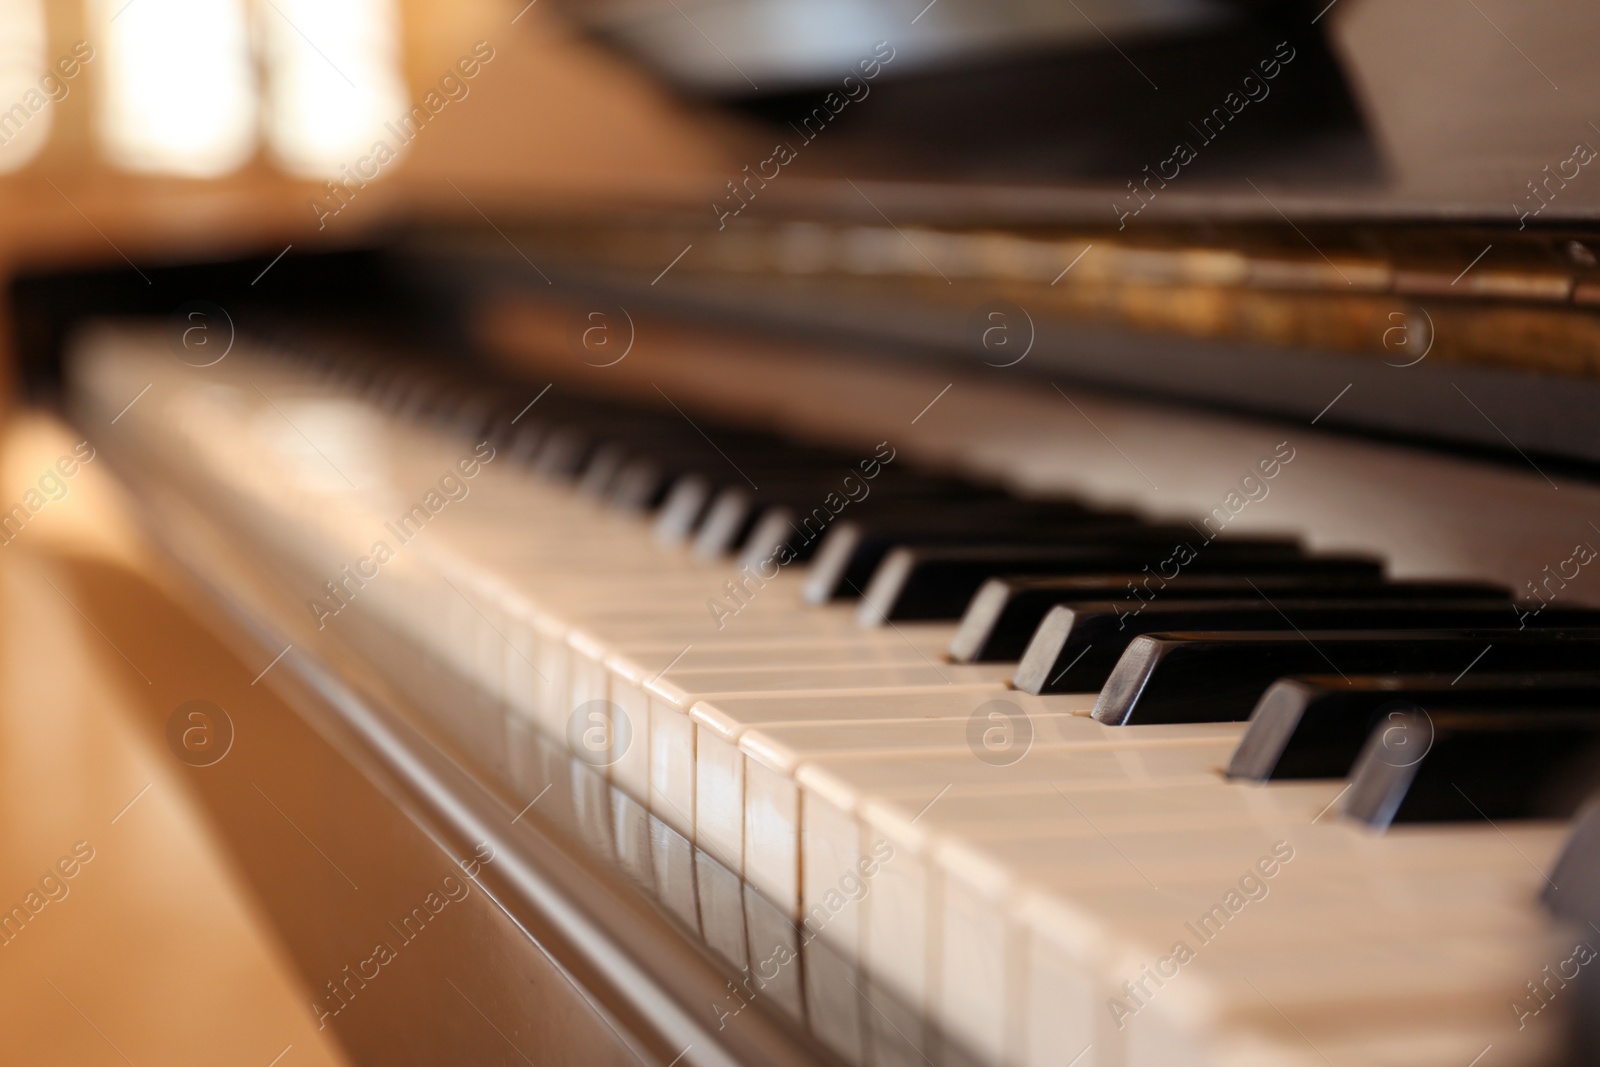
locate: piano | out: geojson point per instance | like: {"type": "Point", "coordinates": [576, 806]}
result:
{"type": "Point", "coordinates": [946, 597]}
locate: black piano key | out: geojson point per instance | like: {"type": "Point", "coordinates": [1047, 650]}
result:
{"type": "Point", "coordinates": [921, 582]}
{"type": "Point", "coordinates": [564, 452]}
{"type": "Point", "coordinates": [1475, 766]}
{"type": "Point", "coordinates": [1075, 649]}
{"type": "Point", "coordinates": [416, 396]}
{"type": "Point", "coordinates": [844, 554]}
{"type": "Point", "coordinates": [1315, 727]}
{"type": "Point", "coordinates": [682, 509]}
{"type": "Point", "coordinates": [601, 469]}
{"type": "Point", "coordinates": [656, 464]}
{"type": "Point", "coordinates": [1002, 616]}
{"type": "Point", "coordinates": [855, 547]}
{"type": "Point", "coordinates": [640, 486]}
{"type": "Point", "coordinates": [630, 475]}
{"type": "Point", "coordinates": [684, 475]}
{"type": "Point", "coordinates": [1572, 891]}
{"type": "Point", "coordinates": [523, 443]}
{"type": "Point", "coordinates": [646, 477]}
{"type": "Point", "coordinates": [462, 412]}
{"type": "Point", "coordinates": [1218, 677]}
{"type": "Point", "coordinates": [596, 439]}
{"type": "Point", "coordinates": [727, 523]}
{"type": "Point", "coordinates": [912, 510]}
{"type": "Point", "coordinates": [802, 501]}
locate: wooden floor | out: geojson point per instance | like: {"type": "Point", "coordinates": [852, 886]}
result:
{"type": "Point", "coordinates": [152, 951]}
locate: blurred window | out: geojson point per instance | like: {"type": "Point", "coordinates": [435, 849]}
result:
{"type": "Point", "coordinates": [24, 100]}
{"type": "Point", "coordinates": [178, 87]}
{"type": "Point", "coordinates": [333, 80]}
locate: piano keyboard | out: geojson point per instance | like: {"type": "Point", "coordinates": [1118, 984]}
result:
{"type": "Point", "coordinates": [981, 856]}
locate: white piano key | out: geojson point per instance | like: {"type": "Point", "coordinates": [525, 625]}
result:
{"type": "Point", "coordinates": [901, 939]}
{"type": "Point", "coordinates": [721, 762]}
{"type": "Point", "coordinates": [1067, 933]}
{"type": "Point", "coordinates": [672, 694]}
{"type": "Point", "coordinates": [672, 769]}
{"type": "Point", "coordinates": [771, 834]}
{"type": "Point", "coordinates": [834, 841]}
{"type": "Point", "coordinates": [586, 672]}
{"type": "Point", "coordinates": [631, 769]}
{"type": "Point", "coordinates": [637, 662]}
{"type": "Point", "coordinates": [719, 800]}
{"type": "Point", "coordinates": [1432, 1029]}
{"type": "Point", "coordinates": [919, 644]}
{"type": "Point", "coordinates": [758, 774]}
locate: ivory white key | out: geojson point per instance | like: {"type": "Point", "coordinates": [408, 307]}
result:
{"type": "Point", "coordinates": [979, 883]}
{"type": "Point", "coordinates": [836, 846]}
{"type": "Point", "coordinates": [754, 745]}
{"type": "Point", "coordinates": [626, 671]}
{"type": "Point", "coordinates": [672, 732]}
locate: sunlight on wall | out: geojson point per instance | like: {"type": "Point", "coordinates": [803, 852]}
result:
{"type": "Point", "coordinates": [179, 91]}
